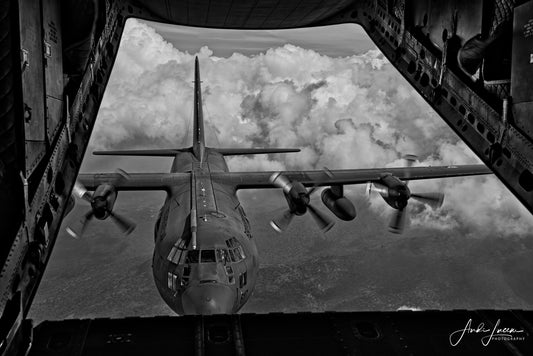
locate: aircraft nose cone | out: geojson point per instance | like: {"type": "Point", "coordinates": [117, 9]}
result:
{"type": "Point", "coordinates": [208, 299]}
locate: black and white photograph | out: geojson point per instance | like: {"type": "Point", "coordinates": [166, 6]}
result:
{"type": "Point", "coordinates": [266, 177]}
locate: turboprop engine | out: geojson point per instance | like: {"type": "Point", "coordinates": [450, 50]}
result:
{"type": "Point", "coordinates": [392, 190]}
{"type": "Point", "coordinates": [396, 193]}
{"type": "Point", "coordinates": [102, 202]}
{"type": "Point", "coordinates": [298, 199]}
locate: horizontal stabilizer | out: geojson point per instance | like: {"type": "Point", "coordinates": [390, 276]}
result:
{"type": "Point", "coordinates": [253, 151]}
{"type": "Point", "coordinates": [156, 153]}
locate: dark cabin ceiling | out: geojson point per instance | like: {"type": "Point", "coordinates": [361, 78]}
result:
{"type": "Point", "coordinates": [255, 14]}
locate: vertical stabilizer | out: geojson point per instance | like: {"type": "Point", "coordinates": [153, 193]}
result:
{"type": "Point", "coordinates": [198, 134]}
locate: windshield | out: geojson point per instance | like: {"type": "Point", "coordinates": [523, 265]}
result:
{"type": "Point", "coordinates": [218, 255]}
{"type": "Point", "coordinates": [192, 256]}
{"type": "Point", "coordinates": [208, 256]}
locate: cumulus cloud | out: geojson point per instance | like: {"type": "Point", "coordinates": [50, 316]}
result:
{"type": "Point", "coordinates": [343, 112]}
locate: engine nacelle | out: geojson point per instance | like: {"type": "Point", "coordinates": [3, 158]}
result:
{"type": "Point", "coordinates": [297, 198]}
{"type": "Point", "coordinates": [338, 205]}
{"type": "Point", "coordinates": [295, 193]}
{"type": "Point", "coordinates": [103, 200]}
{"type": "Point", "coordinates": [393, 191]}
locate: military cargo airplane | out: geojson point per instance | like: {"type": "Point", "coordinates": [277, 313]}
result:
{"type": "Point", "coordinates": [205, 260]}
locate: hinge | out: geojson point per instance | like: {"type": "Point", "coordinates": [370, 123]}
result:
{"type": "Point", "coordinates": [68, 118]}
{"type": "Point", "coordinates": [47, 49]}
{"type": "Point", "coordinates": [26, 195]}
{"type": "Point", "coordinates": [24, 58]}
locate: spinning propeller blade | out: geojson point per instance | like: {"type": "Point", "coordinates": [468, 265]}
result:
{"type": "Point", "coordinates": [397, 222]}
{"type": "Point", "coordinates": [77, 230]}
{"type": "Point", "coordinates": [81, 192]}
{"type": "Point", "coordinates": [281, 222]}
{"type": "Point", "coordinates": [126, 225]}
{"type": "Point", "coordinates": [122, 177]}
{"type": "Point", "coordinates": [399, 217]}
{"type": "Point", "coordinates": [434, 200]}
{"type": "Point", "coordinates": [280, 181]}
{"type": "Point", "coordinates": [322, 220]}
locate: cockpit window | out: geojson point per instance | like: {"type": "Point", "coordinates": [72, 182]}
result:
{"type": "Point", "coordinates": [208, 256]}
{"type": "Point", "coordinates": [240, 252]}
{"type": "Point", "coordinates": [242, 279]}
{"type": "Point", "coordinates": [229, 272]}
{"type": "Point", "coordinates": [232, 242]}
{"type": "Point", "coordinates": [235, 250]}
{"type": "Point", "coordinates": [192, 256]}
{"type": "Point", "coordinates": [237, 254]}
{"type": "Point", "coordinates": [232, 256]}
{"type": "Point", "coordinates": [222, 256]}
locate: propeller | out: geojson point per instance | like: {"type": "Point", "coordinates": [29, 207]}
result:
{"type": "Point", "coordinates": [397, 222]}
{"type": "Point", "coordinates": [402, 194]}
{"type": "Point", "coordinates": [299, 203]}
{"type": "Point", "coordinates": [76, 231]}
{"type": "Point", "coordinates": [99, 207]}
{"type": "Point", "coordinates": [282, 222]}
{"type": "Point", "coordinates": [434, 200]}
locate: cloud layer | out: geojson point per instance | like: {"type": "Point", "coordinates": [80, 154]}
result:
{"type": "Point", "coordinates": [343, 112]}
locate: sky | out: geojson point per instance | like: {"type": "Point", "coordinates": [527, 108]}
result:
{"type": "Point", "coordinates": [331, 93]}
{"type": "Point", "coordinates": [334, 41]}
{"type": "Point", "coordinates": [343, 104]}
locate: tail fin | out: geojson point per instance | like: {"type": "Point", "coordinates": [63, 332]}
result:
{"type": "Point", "coordinates": [198, 146]}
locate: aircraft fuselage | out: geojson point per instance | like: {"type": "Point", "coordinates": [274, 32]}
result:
{"type": "Point", "coordinates": [218, 276]}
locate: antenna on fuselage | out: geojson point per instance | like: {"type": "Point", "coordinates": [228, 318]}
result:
{"type": "Point", "coordinates": [193, 217]}
{"type": "Point", "coordinates": [198, 145]}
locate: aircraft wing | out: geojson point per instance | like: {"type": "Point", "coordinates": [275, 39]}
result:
{"type": "Point", "coordinates": [255, 180]}
{"type": "Point", "coordinates": [134, 181]}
